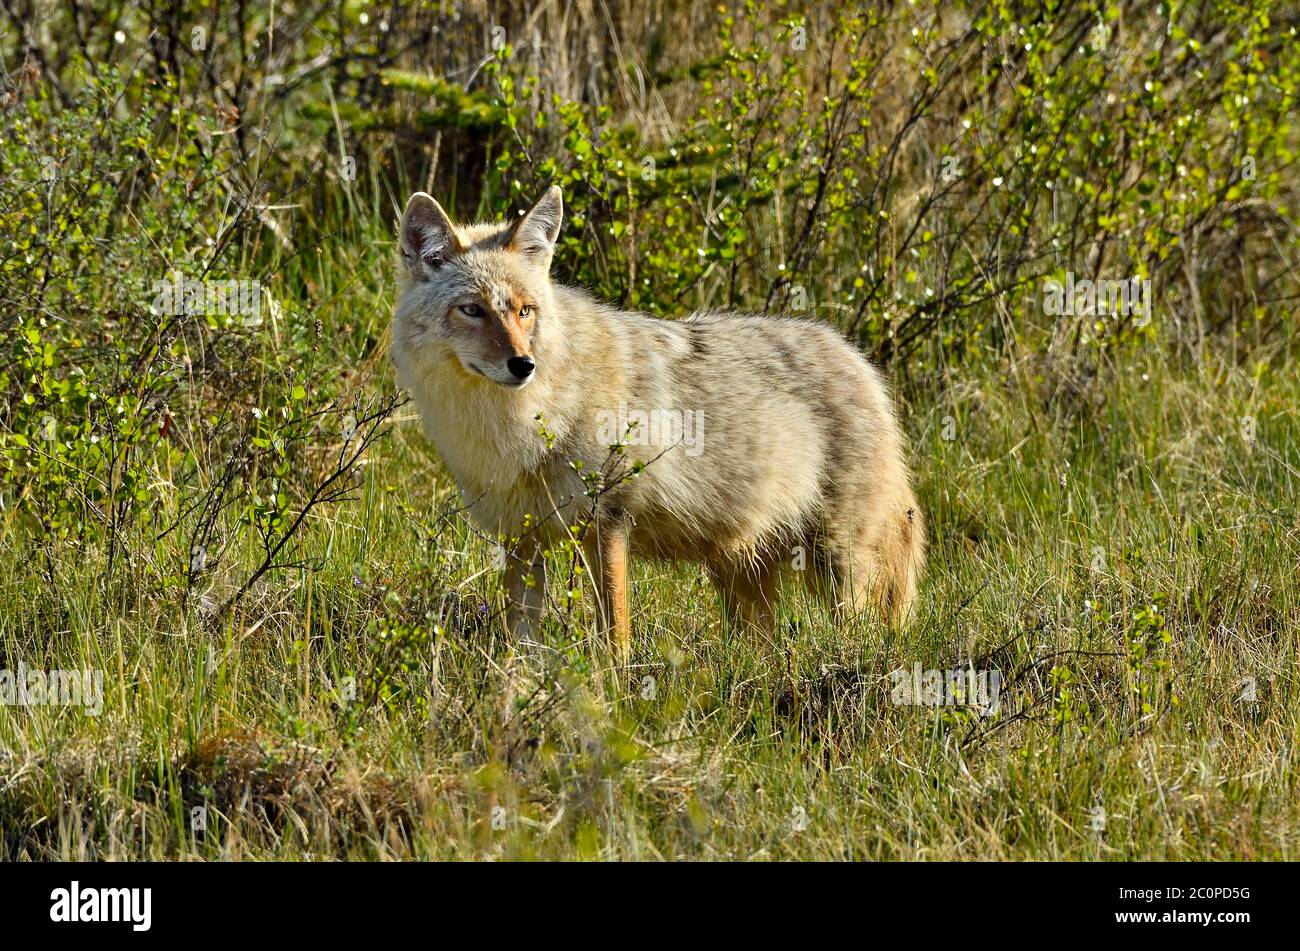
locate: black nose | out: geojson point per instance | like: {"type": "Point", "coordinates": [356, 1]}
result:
{"type": "Point", "coordinates": [520, 366]}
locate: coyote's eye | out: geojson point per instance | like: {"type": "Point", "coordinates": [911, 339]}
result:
{"type": "Point", "coordinates": [526, 311]}
{"type": "Point", "coordinates": [471, 310]}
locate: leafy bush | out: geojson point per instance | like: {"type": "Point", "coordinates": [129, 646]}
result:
{"type": "Point", "coordinates": [154, 403]}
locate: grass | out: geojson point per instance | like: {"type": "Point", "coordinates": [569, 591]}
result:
{"type": "Point", "coordinates": [1059, 511]}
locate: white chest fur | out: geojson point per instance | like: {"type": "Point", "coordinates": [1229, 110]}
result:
{"type": "Point", "coordinates": [491, 441]}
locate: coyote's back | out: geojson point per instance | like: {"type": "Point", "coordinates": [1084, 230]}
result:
{"type": "Point", "coordinates": [787, 449]}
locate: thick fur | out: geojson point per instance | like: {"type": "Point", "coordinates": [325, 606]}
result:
{"type": "Point", "coordinates": [802, 459]}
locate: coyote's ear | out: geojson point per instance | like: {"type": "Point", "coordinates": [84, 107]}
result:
{"type": "Point", "coordinates": [535, 233]}
{"type": "Point", "coordinates": [426, 236]}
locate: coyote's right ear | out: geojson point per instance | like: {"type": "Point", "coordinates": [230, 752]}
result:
{"type": "Point", "coordinates": [535, 233]}
{"type": "Point", "coordinates": [426, 236]}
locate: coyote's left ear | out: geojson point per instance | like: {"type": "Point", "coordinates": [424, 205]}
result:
{"type": "Point", "coordinates": [426, 236]}
{"type": "Point", "coordinates": [536, 233]}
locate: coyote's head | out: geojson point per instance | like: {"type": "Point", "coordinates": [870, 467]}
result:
{"type": "Point", "coordinates": [478, 295]}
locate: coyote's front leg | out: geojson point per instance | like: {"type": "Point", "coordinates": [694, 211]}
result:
{"type": "Point", "coordinates": [525, 588]}
{"type": "Point", "coordinates": [607, 559]}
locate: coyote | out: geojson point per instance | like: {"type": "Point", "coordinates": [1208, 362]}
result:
{"type": "Point", "coordinates": [774, 441]}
